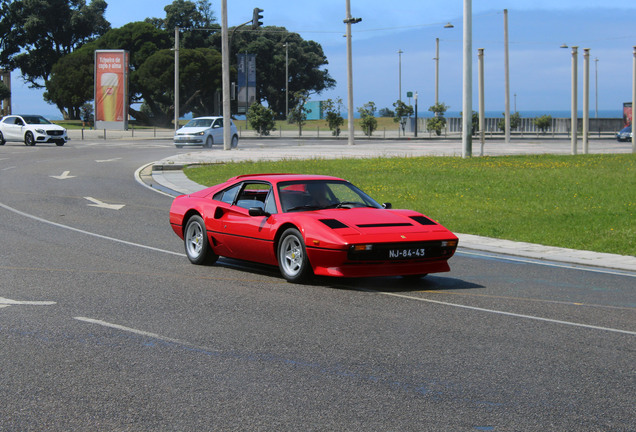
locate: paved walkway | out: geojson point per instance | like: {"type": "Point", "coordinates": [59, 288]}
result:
{"type": "Point", "coordinates": [167, 175]}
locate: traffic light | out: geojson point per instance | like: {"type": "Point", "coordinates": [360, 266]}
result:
{"type": "Point", "coordinates": [256, 18]}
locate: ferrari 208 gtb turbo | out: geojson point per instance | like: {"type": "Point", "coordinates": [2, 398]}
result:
{"type": "Point", "coordinates": [308, 225]}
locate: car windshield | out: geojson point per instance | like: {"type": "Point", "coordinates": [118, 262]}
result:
{"type": "Point", "coordinates": [322, 194]}
{"type": "Point", "coordinates": [199, 123]}
{"type": "Point", "coordinates": [35, 120]}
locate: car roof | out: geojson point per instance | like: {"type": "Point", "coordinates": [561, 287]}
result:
{"type": "Point", "coordinates": [206, 118]}
{"type": "Point", "coordinates": [283, 177]}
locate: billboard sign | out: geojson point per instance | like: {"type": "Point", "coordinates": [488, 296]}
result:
{"type": "Point", "coordinates": [627, 113]}
{"type": "Point", "coordinates": [246, 81]}
{"type": "Point", "coordinates": [111, 89]}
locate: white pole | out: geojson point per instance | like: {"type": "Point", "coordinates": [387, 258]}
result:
{"type": "Point", "coordinates": [633, 101]}
{"type": "Point", "coordinates": [574, 114]}
{"type": "Point", "coordinates": [507, 78]}
{"type": "Point", "coordinates": [467, 88]}
{"type": "Point", "coordinates": [225, 59]}
{"type": "Point", "coordinates": [482, 111]}
{"type": "Point", "coordinates": [286, 80]}
{"type": "Point", "coordinates": [176, 79]}
{"type": "Point", "coordinates": [350, 119]}
{"type": "Point", "coordinates": [400, 74]}
{"type": "Point", "coordinates": [586, 99]}
{"type": "Point", "coordinates": [436, 71]}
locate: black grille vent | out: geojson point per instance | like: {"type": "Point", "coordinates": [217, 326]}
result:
{"type": "Point", "coordinates": [333, 223]}
{"type": "Point", "coordinates": [423, 220]}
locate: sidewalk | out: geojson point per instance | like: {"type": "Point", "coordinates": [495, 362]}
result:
{"type": "Point", "coordinates": [167, 176]}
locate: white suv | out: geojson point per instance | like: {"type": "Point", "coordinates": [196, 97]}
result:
{"type": "Point", "coordinates": [31, 129]}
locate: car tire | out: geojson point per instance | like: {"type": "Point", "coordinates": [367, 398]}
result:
{"type": "Point", "coordinates": [292, 257]}
{"type": "Point", "coordinates": [234, 141]}
{"type": "Point", "coordinates": [28, 139]}
{"type": "Point", "coordinates": [208, 142]}
{"type": "Point", "coordinates": [197, 246]}
{"type": "Point", "coordinates": [59, 143]}
{"type": "Point", "coordinates": [2, 141]}
{"type": "Point", "coordinates": [178, 146]}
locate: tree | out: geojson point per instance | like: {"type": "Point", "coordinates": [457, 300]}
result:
{"type": "Point", "coordinates": [261, 119]}
{"type": "Point", "coordinates": [438, 122]}
{"type": "Point", "coordinates": [515, 121]}
{"type": "Point", "coordinates": [543, 123]}
{"type": "Point", "coordinates": [298, 114]}
{"type": "Point", "coordinates": [334, 119]}
{"type": "Point", "coordinates": [191, 17]}
{"type": "Point", "coordinates": [386, 112]}
{"type": "Point", "coordinates": [368, 122]}
{"type": "Point", "coordinates": [5, 93]}
{"type": "Point", "coordinates": [402, 113]}
{"type": "Point", "coordinates": [306, 64]}
{"type": "Point", "coordinates": [40, 32]}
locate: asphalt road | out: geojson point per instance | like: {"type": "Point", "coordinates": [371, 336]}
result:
{"type": "Point", "coordinates": [104, 325]}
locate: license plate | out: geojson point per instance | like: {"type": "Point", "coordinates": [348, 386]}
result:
{"type": "Point", "coordinates": [407, 253]}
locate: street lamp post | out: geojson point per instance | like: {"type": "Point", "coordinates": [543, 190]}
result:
{"type": "Point", "coordinates": [176, 79]}
{"type": "Point", "coordinates": [400, 74]}
{"type": "Point", "coordinates": [225, 64]}
{"type": "Point", "coordinates": [574, 114]}
{"type": "Point", "coordinates": [348, 21]}
{"type": "Point", "coordinates": [436, 70]}
{"type": "Point", "coordinates": [596, 87]}
{"type": "Point", "coordinates": [633, 100]}
{"type": "Point", "coordinates": [507, 79]}
{"type": "Point", "coordinates": [286, 81]}
{"type": "Point", "coordinates": [586, 98]}
{"type": "Point", "coordinates": [467, 87]}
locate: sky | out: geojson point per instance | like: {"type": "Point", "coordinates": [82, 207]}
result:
{"type": "Point", "coordinates": [540, 71]}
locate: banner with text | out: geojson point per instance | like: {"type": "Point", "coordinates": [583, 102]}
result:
{"type": "Point", "coordinates": [246, 81]}
{"type": "Point", "coordinates": [111, 89]}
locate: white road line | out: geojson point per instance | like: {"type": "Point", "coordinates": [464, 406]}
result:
{"type": "Point", "coordinates": [143, 333]}
{"type": "Point", "coordinates": [537, 261]}
{"type": "Point", "coordinates": [8, 302]}
{"type": "Point", "coordinates": [632, 333]}
{"type": "Point", "coordinates": [27, 215]}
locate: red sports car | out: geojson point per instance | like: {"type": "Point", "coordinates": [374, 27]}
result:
{"type": "Point", "coordinates": [308, 225]}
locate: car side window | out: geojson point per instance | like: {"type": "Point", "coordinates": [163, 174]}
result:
{"type": "Point", "coordinates": [254, 195]}
{"type": "Point", "coordinates": [217, 123]}
{"type": "Point", "coordinates": [19, 121]}
{"type": "Point", "coordinates": [227, 195]}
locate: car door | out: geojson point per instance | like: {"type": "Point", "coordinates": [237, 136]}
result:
{"type": "Point", "coordinates": [250, 237]}
{"type": "Point", "coordinates": [12, 128]}
{"type": "Point", "coordinates": [217, 131]}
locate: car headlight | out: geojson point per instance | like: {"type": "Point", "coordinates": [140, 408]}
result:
{"type": "Point", "coordinates": [40, 131]}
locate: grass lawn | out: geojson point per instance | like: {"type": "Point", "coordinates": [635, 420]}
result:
{"type": "Point", "coordinates": [582, 202]}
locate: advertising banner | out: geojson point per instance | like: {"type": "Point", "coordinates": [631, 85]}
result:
{"type": "Point", "coordinates": [246, 81]}
{"type": "Point", "coordinates": [627, 113]}
{"type": "Point", "coordinates": [111, 89]}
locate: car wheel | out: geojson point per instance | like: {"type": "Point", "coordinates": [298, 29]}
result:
{"type": "Point", "coordinates": [292, 257]}
{"type": "Point", "coordinates": [28, 139]}
{"type": "Point", "coordinates": [59, 143]}
{"type": "Point", "coordinates": [2, 141]}
{"type": "Point", "coordinates": [234, 141]}
{"type": "Point", "coordinates": [178, 146]}
{"type": "Point", "coordinates": [196, 243]}
{"type": "Point", "coordinates": [208, 142]}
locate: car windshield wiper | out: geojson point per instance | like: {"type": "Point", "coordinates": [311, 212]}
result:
{"type": "Point", "coordinates": [305, 208]}
{"type": "Point", "coordinates": [348, 204]}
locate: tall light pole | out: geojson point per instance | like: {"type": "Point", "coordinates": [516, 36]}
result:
{"type": "Point", "coordinates": [400, 74]}
{"type": "Point", "coordinates": [507, 78]}
{"type": "Point", "coordinates": [348, 21]}
{"type": "Point", "coordinates": [225, 64]}
{"type": "Point", "coordinates": [586, 98]}
{"type": "Point", "coordinates": [574, 114]}
{"type": "Point", "coordinates": [436, 70]}
{"type": "Point", "coordinates": [596, 87]}
{"type": "Point", "coordinates": [633, 100]}
{"type": "Point", "coordinates": [176, 79]}
{"type": "Point", "coordinates": [286, 80]}
{"type": "Point", "coordinates": [467, 87]}
{"type": "Point", "coordinates": [482, 110]}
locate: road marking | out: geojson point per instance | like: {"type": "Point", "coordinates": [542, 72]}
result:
{"type": "Point", "coordinates": [8, 168]}
{"type": "Point", "coordinates": [108, 160]}
{"type": "Point", "coordinates": [4, 302]}
{"type": "Point", "coordinates": [39, 219]}
{"type": "Point", "coordinates": [65, 175]}
{"type": "Point", "coordinates": [102, 204]}
{"type": "Point", "coordinates": [532, 317]}
{"type": "Point", "coordinates": [141, 333]}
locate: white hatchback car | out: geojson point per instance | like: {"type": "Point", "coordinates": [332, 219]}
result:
{"type": "Point", "coordinates": [31, 129]}
{"type": "Point", "coordinates": [204, 131]}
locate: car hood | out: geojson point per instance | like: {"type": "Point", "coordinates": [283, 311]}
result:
{"type": "Point", "coordinates": [51, 126]}
{"type": "Point", "coordinates": [191, 130]}
{"type": "Point", "coordinates": [377, 221]}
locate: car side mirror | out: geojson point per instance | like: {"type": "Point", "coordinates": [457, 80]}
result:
{"type": "Point", "coordinates": [257, 211]}
{"type": "Point", "coordinates": [387, 205]}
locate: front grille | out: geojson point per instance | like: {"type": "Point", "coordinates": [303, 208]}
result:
{"type": "Point", "coordinates": [55, 132]}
